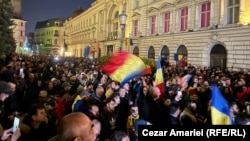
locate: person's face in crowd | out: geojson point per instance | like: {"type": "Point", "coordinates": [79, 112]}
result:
{"type": "Point", "coordinates": [122, 92]}
{"type": "Point", "coordinates": [167, 102]}
{"type": "Point", "coordinates": [96, 127]}
{"type": "Point", "coordinates": [73, 79]}
{"type": "Point", "coordinates": [90, 88]}
{"type": "Point", "coordinates": [145, 91]}
{"type": "Point", "coordinates": [195, 80]}
{"type": "Point", "coordinates": [3, 97]}
{"type": "Point", "coordinates": [50, 85]}
{"type": "Point", "coordinates": [156, 93]}
{"type": "Point", "coordinates": [117, 100]}
{"type": "Point", "coordinates": [63, 79]}
{"type": "Point", "coordinates": [76, 127]}
{"type": "Point", "coordinates": [54, 82]}
{"type": "Point", "coordinates": [100, 91]}
{"type": "Point", "coordinates": [234, 109]}
{"type": "Point", "coordinates": [125, 138]}
{"type": "Point", "coordinates": [12, 86]}
{"type": "Point", "coordinates": [94, 112]}
{"type": "Point", "coordinates": [113, 85]}
{"type": "Point", "coordinates": [41, 115]}
{"type": "Point", "coordinates": [66, 72]}
{"type": "Point", "coordinates": [42, 98]}
{"type": "Point", "coordinates": [228, 82]}
{"type": "Point", "coordinates": [193, 106]}
{"type": "Point", "coordinates": [104, 79]}
{"type": "Point", "coordinates": [67, 88]}
{"type": "Point", "coordinates": [134, 111]}
{"type": "Point", "coordinates": [111, 105]}
{"type": "Point", "coordinates": [126, 86]}
{"type": "Point", "coordinates": [84, 76]}
{"type": "Point", "coordinates": [200, 79]}
{"type": "Point", "coordinates": [31, 76]}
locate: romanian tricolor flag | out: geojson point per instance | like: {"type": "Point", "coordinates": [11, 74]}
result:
{"type": "Point", "coordinates": [184, 81]}
{"type": "Point", "coordinates": [220, 112]}
{"type": "Point", "coordinates": [159, 81]}
{"type": "Point", "coordinates": [123, 67]}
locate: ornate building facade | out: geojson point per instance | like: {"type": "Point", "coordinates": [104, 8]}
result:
{"type": "Point", "coordinates": [19, 26]}
{"type": "Point", "coordinates": [49, 36]}
{"type": "Point", "coordinates": [206, 33]}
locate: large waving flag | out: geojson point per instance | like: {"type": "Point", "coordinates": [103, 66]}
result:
{"type": "Point", "coordinates": [220, 112]}
{"type": "Point", "coordinates": [123, 67]}
{"type": "Point", "coordinates": [159, 82]}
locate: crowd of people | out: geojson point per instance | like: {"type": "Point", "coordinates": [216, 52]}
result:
{"type": "Point", "coordinates": [71, 98]}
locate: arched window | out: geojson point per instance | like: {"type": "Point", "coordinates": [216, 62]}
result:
{"type": "Point", "coordinates": [181, 56]}
{"type": "Point", "coordinates": [109, 50]}
{"type": "Point", "coordinates": [218, 57]}
{"type": "Point", "coordinates": [164, 52]}
{"type": "Point", "coordinates": [136, 51]}
{"type": "Point", "coordinates": [151, 52]}
{"type": "Point", "coordinates": [182, 50]}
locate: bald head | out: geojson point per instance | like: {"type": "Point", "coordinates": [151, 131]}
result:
{"type": "Point", "coordinates": [76, 127]}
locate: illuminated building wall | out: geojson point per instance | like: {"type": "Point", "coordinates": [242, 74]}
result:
{"type": "Point", "coordinates": [19, 32]}
{"type": "Point", "coordinates": [187, 32]}
{"type": "Point", "coordinates": [49, 34]}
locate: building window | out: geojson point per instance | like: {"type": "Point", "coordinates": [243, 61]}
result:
{"type": "Point", "coordinates": [205, 14]}
{"type": "Point", "coordinates": [55, 41]}
{"type": "Point", "coordinates": [21, 23]}
{"type": "Point", "coordinates": [94, 19]}
{"type": "Point", "coordinates": [136, 3]}
{"type": "Point", "coordinates": [21, 33]}
{"type": "Point", "coordinates": [57, 23]}
{"type": "Point", "coordinates": [152, 24]}
{"type": "Point", "coordinates": [233, 11]}
{"type": "Point", "coordinates": [184, 18]}
{"type": "Point", "coordinates": [56, 33]}
{"type": "Point", "coordinates": [151, 52]}
{"type": "Point", "coordinates": [135, 28]}
{"type": "Point", "coordinates": [166, 21]}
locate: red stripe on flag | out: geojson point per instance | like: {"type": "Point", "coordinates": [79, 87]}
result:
{"type": "Point", "coordinates": [115, 62]}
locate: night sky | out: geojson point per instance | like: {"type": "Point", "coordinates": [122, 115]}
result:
{"type": "Point", "coordinates": [39, 10]}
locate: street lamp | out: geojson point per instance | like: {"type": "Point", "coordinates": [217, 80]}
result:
{"type": "Point", "coordinates": [123, 18]}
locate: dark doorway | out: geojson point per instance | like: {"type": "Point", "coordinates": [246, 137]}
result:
{"type": "Point", "coordinates": [136, 51]}
{"type": "Point", "coordinates": [151, 52]}
{"type": "Point", "coordinates": [164, 52]}
{"type": "Point", "coordinates": [218, 57]}
{"type": "Point", "coordinates": [182, 54]}
{"type": "Point", "coordinates": [110, 49]}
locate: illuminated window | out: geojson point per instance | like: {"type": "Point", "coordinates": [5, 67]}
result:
{"type": "Point", "coordinates": [166, 20]}
{"type": "Point", "coordinates": [135, 28]}
{"type": "Point", "coordinates": [233, 9]}
{"type": "Point", "coordinates": [205, 14]}
{"type": "Point", "coordinates": [184, 18]}
{"type": "Point", "coordinates": [152, 24]}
